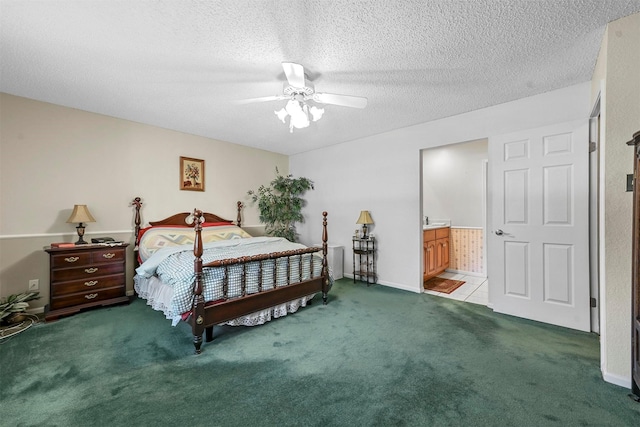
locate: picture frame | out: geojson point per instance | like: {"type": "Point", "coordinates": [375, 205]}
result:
{"type": "Point", "coordinates": [191, 174]}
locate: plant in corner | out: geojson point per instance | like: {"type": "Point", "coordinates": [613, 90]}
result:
{"type": "Point", "coordinates": [12, 307]}
{"type": "Point", "coordinates": [280, 204]}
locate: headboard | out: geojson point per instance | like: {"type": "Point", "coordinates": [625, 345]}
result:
{"type": "Point", "coordinates": [179, 218]}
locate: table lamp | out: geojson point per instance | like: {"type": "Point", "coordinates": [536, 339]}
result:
{"type": "Point", "coordinates": [364, 219]}
{"type": "Point", "coordinates": [80, 215]}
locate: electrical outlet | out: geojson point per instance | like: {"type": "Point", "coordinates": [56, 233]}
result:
{"type": "Point", "coordinates": [34, 284]}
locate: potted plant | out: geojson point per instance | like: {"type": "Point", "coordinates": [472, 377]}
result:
{"type": "Point", "coordinates": [13, 307]}
{"type": "Point", "coordinates": [280, 204]}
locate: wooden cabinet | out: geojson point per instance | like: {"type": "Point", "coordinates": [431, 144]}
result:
{"type": "Point", "coordinates": [635, 275]}
{"type": "Point", "coordinates": [85, 276]}
{"type": "Point", "coordinates": [436, 251]}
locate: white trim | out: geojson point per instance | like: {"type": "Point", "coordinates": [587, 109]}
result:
{"type": "Point", "coordinates": [466, 273]}
{"type": "Point", "coordinates": [388, 284]}
{"type": "Point", "coordinates": [34, 236]}
{"type": "Point", "coordinates": [485, 214]}
{"type": "Point", "coordinates": [594, 201]}
{"type": "Point", "coordinates": [616, 379]}
{"type": "Point", "coordinates": [602, 270]}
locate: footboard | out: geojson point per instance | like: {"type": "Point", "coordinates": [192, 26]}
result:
{"type": "Point", "coordinates": [275, 278]}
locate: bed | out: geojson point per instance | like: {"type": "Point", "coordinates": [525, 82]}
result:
{"type": "Point", "coordinates": [205, 270]}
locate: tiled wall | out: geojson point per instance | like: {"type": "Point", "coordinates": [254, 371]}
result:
{"type": "Point", "coordinates": [466, 250]}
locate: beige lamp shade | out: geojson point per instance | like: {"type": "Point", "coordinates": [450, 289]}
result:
{"type": "Point", "coordinates": [365, 218]}
{"type": "Point", "coordinates": [81, 214]}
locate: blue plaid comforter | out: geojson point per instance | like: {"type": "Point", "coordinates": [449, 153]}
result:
{"type": "Point", "coordinates": [174, 266]}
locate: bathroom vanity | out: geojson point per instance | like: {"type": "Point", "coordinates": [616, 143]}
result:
{"type": "Point", "coordinates": [435, 240]}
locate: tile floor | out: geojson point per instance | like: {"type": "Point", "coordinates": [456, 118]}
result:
{"type": "Point", "coordinates": [474, 290]}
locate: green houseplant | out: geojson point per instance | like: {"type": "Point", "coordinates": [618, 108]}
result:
{"type": "Point", "coordinates": [14, 305]}
{"type": "Point", "coordinates": [280, 204]}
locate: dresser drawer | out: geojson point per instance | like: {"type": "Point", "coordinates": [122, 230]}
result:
{"type": "Point", "coordinates": [87, 285]}
{"type": "Point", "coordinates": [108, 255]}
{"type": "Point", "coordinates": [86, 297]}
{"type": "Point", "coordinates": [87, 272]}
{"type": "Point", "coordinates": [70, 259]}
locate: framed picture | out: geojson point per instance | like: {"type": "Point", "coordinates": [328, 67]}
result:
{"type": "Point", "coordinates": [191, 174]}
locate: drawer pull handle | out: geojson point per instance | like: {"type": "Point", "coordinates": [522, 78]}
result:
{"type": "Point", "coordinates": [90, 296]}
{"type": "Point", "coordinates": [72, 259]}
{"type": "Point", "coordinates": [91, 283]}
{"type": "Point", "coordinates": [90, 270]}
{"type": "Point", "coordinates": [109, 255]}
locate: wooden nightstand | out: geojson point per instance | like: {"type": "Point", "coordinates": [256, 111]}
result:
{"type": "Point", "coordinates": [85, 276]}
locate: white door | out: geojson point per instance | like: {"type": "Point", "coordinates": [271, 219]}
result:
{"type": "Point", "coordinates": [538, 242]}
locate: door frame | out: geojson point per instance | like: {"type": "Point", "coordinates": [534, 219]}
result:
{"type": "Point", "coordinates": [594, 215]}
{"type": "Point", "coordinates": [485, 207]}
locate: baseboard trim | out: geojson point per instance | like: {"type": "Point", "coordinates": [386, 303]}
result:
{"type": "Point", "coordinates": [390, 284]}
{"type": "Point", "coordinates": [466, 273]}
{"type": "Point", "coordinates": [616, 379]}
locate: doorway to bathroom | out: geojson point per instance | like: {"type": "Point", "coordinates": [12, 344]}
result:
{"type": "Point", "coordinates": [454, 203]}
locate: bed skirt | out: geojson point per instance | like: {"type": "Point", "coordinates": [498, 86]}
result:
{"type": "Point", "coordinates": [158, 295]}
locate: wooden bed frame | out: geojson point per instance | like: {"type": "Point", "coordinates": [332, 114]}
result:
{"type": "Point", "coordinates": [204, 316]}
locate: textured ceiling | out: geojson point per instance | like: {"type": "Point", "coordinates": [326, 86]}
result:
{"type": "Point", "coordinates": [181, 64]}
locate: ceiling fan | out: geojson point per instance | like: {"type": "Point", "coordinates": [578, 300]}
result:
{"type": "Point", "coordinates": [298, 91]}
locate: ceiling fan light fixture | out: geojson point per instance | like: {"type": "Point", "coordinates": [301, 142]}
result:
{"type": "Point", "coordinates": [316, 113]}
{"type": "Point", "coordinates": [298, 112]}
{"type": "Point", "coordinates": [282, 114]}
{"type": "Point", "coordinates": [298, 91]}
{"type": "Point", "coordinates": [300, 118]}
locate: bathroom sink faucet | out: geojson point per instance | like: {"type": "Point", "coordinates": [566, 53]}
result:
{"type": "Point", "coordinates": [426, 220]}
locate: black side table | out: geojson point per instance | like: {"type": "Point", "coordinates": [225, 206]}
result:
{"type": "Point", "coordinates": [364, 260]}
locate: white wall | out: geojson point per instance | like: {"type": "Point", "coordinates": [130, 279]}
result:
{"type": "Point", "coordinates": [382, 173]}
{"type": "Point", "coordinates": [453, 182]}
{"type": "Point", "coordinates": [52, 157]}
{"type": "Point", "coordinates": [616, 79]}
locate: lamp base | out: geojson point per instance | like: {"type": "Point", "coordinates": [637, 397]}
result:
{"type": "Point", "coordinates": [80, 229]}
{"type": "Point", "coordinates": [364, 231]}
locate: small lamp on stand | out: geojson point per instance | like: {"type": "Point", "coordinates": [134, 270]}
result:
{"type": "Point", "coordinates": [81, 215]}
{"type": "Point", "coordinates": [364, 219]}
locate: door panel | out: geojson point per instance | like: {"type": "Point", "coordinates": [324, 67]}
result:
{"type": "Point", "coordinates": [516, 281]}
{"type": "Point", "coordinates": [516, 186]}
{"type": "Point", "coordinates": [557, 195]}
{"type": "Point", "coordinates": [558, 286]}
{"type": "Point", "coordinates": [539, 258]}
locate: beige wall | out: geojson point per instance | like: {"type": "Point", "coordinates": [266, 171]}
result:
{"type": "Point", "coordinates": [52, 157]}
{"type": "Point", "coordinates": [616, 76]}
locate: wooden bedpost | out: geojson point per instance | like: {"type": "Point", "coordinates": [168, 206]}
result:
{"type": "Point", "coordinates": [197, 315]}
{"type": "Point", "coordinates": [137, 202]}
{"type": "Point", "coordinates": [239, 217]}
{"type": "Point", "coordinates": [325, 264]}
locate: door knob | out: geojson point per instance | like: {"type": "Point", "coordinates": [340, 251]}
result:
{"type": "Point", "coordinates": [499, 232]}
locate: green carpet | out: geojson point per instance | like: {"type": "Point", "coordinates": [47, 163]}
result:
{"type": "Point", "coordinates": [374, 356]}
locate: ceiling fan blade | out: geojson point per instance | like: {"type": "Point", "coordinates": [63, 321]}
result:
{"type": "Point", "coordinates": [262, 99]}
{"type": "Point", "coordinates": [294, 73]}
{"type": "Point", "coordinates": [343, 100]}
